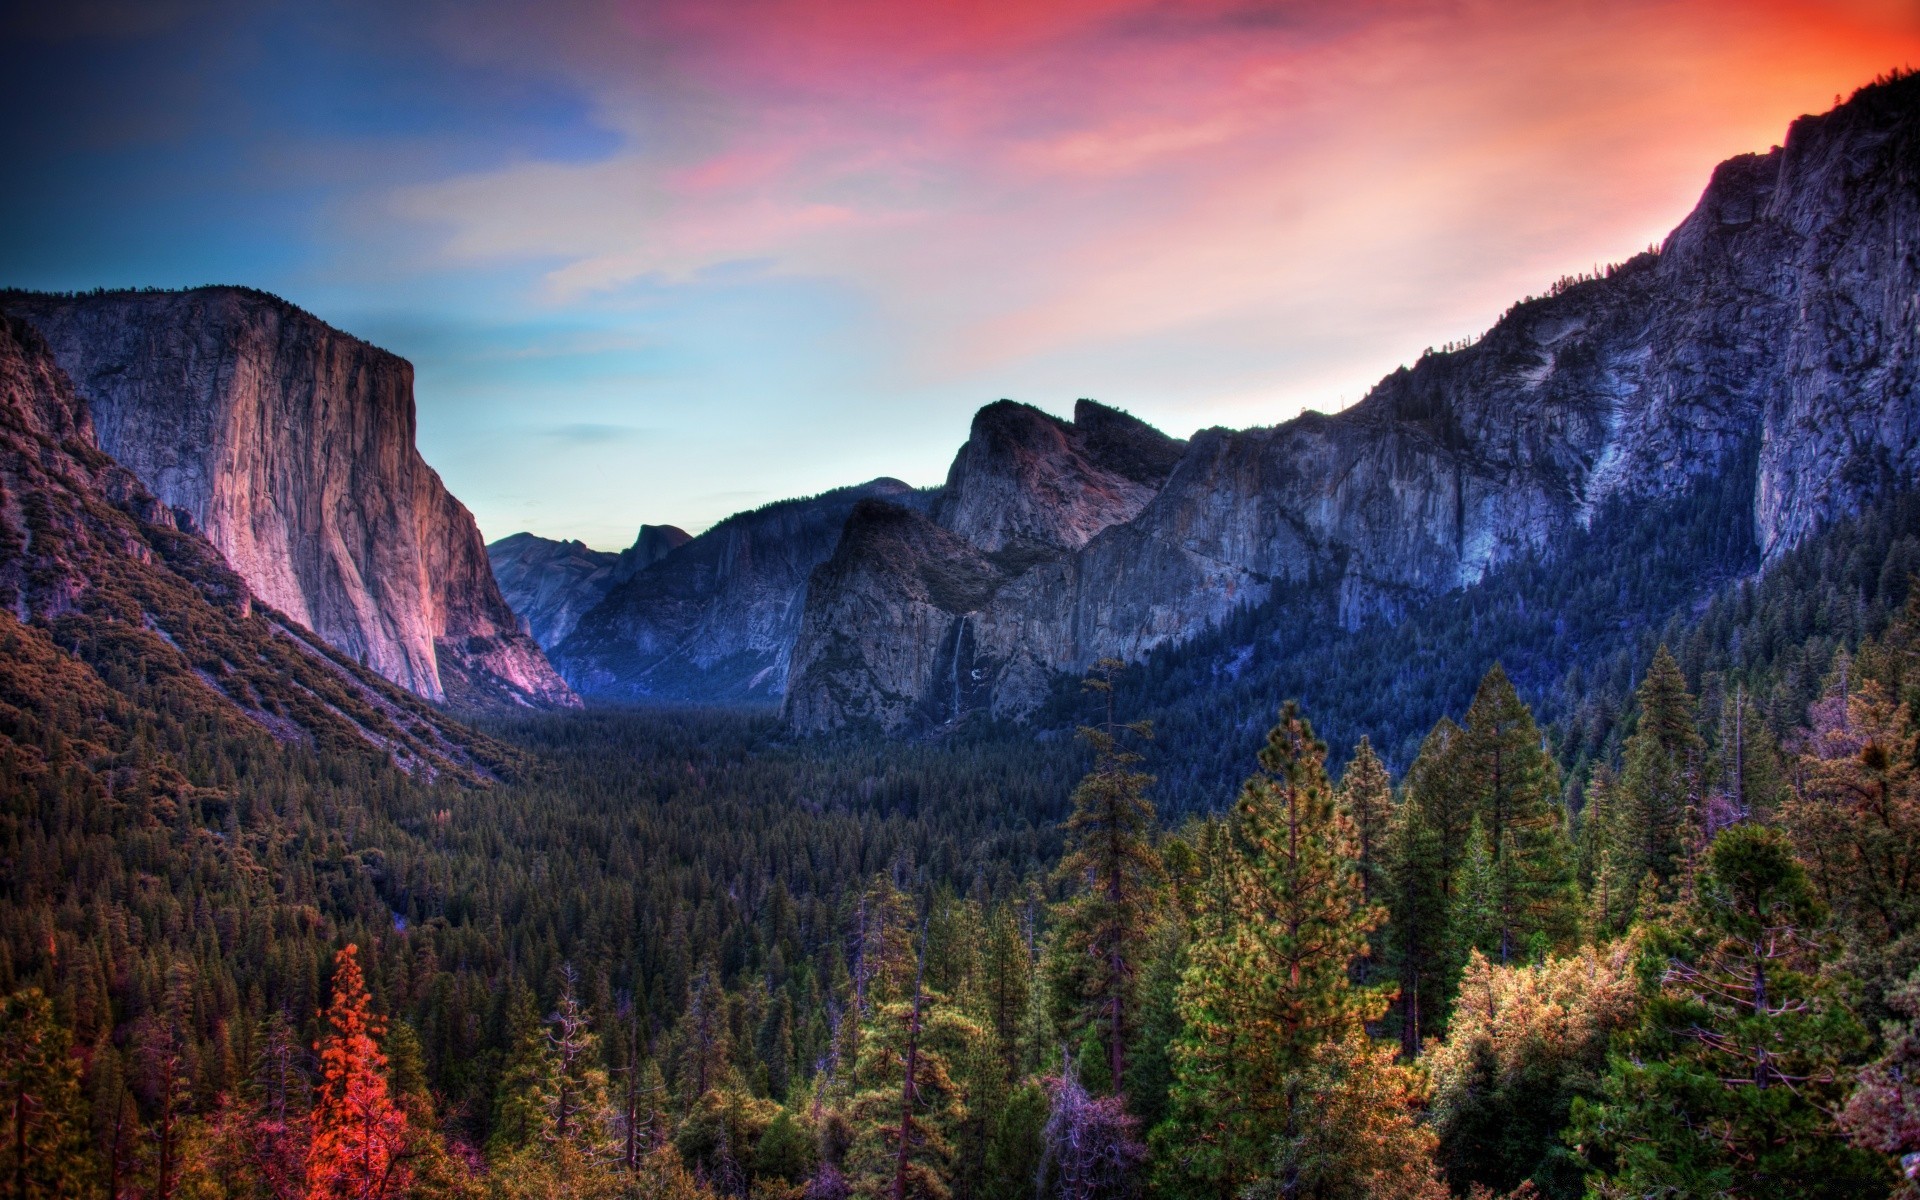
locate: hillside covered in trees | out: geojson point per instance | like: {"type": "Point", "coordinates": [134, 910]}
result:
{"type": "Point", "coordinates": [1645, 926]}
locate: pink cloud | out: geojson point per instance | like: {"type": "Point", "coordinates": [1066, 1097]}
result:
{"type": "Point", "coordinates": [1016, 184]}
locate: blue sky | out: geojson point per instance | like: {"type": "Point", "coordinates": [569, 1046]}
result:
{"type": "Point", "coordinates": [663, 261]}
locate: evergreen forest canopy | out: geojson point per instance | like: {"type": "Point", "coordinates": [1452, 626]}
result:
{"type": "Point", "coordinates": [1661, 944]}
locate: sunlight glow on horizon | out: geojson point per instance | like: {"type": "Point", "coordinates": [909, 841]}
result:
{"type": "Point", "coordinates": [659, 261]}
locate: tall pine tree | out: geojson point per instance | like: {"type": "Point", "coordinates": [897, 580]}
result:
{"type": "Point", "coordinates": [1268, 980]}
{"type": "Point", "coordinates": [1110, 869]}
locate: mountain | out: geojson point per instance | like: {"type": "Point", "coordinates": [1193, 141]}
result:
{"type": "Point", "coordinates": [119, 626]}
{"type": "Point", "coordinates": [1772, 340]}
{"type": "Point", "coordinates": [714, 621]}
{"type": "Point", "coordinates": [291, 446]}
{"type": "Point", "coordinates": [551, 584]}
{"type": "Point", "coordinates": [918, 619]}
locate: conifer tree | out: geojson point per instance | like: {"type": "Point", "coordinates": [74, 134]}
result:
{"type": "Point", "coordinates": [1474, 920]}
{"type": "Point", "coordinates": [43, 1125]}
{"type": "Point", "coordinates": [1417, 898]}
{"type": "Point", "coordinates": [359, 1133]}
{"type": "Point", "coordinates": [1007, 981]}
{"type": "Point", "coordinates": [1269, 982]}
{"type": "Point", "coordinates": [1660, 779]}
{"type": "Point", "coordinates": [1366, 797]}
{"type": "Point", "coordinates": [1110, 869]}
{"type": "Point", "coordinates": [907, 1106]}
{"type": "Point", "coordinates": [1352, 1131]}
{"type": "Point", "coordinates": [1516, 786]}
{"type": "Point", "coordinates": [1727, 1084]}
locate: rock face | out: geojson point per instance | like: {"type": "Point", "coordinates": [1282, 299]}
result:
{"type": "Point", "coordinates": [1776, 334]}
{"type": "Point", "coordinates": [714, 621]}
{"type": "Point", "coordinates": [552, 584]}
{"type": "Point", "coordinates": [291, 446]}
{"type": "Point", "coordinates": [109, 608]}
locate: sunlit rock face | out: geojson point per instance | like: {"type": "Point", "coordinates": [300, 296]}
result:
{"type": "Point", "coordinates": [1774, 336]}
{"type": "Point", "coordinates": [291, 446]}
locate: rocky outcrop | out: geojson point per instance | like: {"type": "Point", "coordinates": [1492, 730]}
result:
{"type": "Point", "coordinates": [908, 623]}
{"type": "Point", "coordinates": [714, 621]}
{"type": "Point", "coordinates": [1026, 482]}
{"type": "Point", "coordinates": [552, 584]}
{"type": "Point", "coordinates": [1774, 335]}
{"type": "Point", "coordinates": [112, 612]}
{"type": "Point", "coordinates": [898, 572]}
{"type": "Point", "coordinates": [291, 446]}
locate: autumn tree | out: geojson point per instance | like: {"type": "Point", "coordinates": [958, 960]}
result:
{"type": "Point", "coordinates": [1883, 1113]}
{"type": "Point", "coordinates": [1522, 1044]}
{"type": "Point", "coordinates": [1352, 1131]}
{"type": "Point", "coordinates": [359, 1133]}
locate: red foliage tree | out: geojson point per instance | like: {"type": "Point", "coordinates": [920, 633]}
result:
{"type": "Point", "coordinates": [359, 1133]}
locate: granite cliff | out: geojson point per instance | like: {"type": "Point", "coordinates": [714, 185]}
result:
{"type": "Point", "coordinates": [110, 610]}
{"type": "Point", "coordinates": [1774, 335]}
{"type": "Point", "coordinates": [290, 445]}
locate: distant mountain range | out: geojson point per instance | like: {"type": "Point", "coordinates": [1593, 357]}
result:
{"type": "Point", "coordinates": [1769, 349]}
{"type": "Point", "coordinates": [1773, 338]}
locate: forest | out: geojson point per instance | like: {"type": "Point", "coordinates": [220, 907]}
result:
{"type": "Point", "coordinates": [1641, 924]}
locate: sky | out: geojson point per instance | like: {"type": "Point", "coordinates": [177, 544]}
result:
{"type": "Point", "coordinates": [663, 260]}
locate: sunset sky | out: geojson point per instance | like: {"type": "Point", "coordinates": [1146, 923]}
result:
{"type": "Point", "coordinates": [663, 261]}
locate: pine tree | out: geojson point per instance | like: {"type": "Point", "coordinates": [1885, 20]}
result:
{"type": "Point", "coordinates": [359, 1133]}
{"type": "Point", "coordinates": [1660, 780]}
{"type": "Point", "coordinates": [1110, 870]}
{"type": "Point", "coordinates": [1352, 1131]}
{"type": "Point", "coordinates": [1269, 981]}
{"type": "Point", "coordinates": [1417, 899]}
{"type": "Point", "coordinates": [1008, 979]}
{"type": "Point", "coordinates": [907, 1106]}
{"type": "Point", "coordinates": [1366, 799]}
{"type": "Point", "coordinates": [43, 1151]}
{"type": "Point", "coordinates": [1516, 786]}
{"type": "Point", "coordinates": [1727, 1084]}
{"type": "Point", "coordinates": [1474, 920]}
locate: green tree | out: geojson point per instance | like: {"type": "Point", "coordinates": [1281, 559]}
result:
{"type": "Point", "coordinates": [1660, 780]}
{"type": "Point", "coordinates": [43, 1149]}
{"type": "Point", "coordinates": [1418, 902]}
{"type": "Point", "coordinates": [907, 1106]}
{"type": "Point", "coordinates": [1366, 799]}
{"type": "Point", "coordinates": [1503, 764]}
{"type": "Point", "coordinates": [1726, 1085]}
{"type": "Point", "coordinates": [1109, 870]}
{"type": "Point", "coordinates": [1268, 981]}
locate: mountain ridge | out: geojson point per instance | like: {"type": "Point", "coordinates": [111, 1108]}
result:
{"type": "Point", "coordinates": [1775, 327]}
